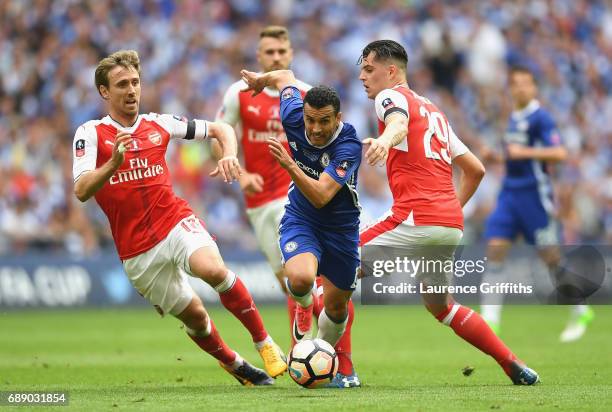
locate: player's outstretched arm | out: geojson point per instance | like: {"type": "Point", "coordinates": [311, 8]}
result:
{"type": "Point", "coordinates": [396, 128]}
{"type": "Point", "coordinates": [472, 173]}
{"type": "Point", "coordinates": [90, 182]}
{"type": "Point", "coordinates": [228, 165]}
{"type": "Point", "coordinates": [545, 154]}
{"type": "Point", "coordinates": [318, 192]}
{"type": "Point", "coordinates": [277, 79]}
{"type": "Point", "coordinates": [488, 154]}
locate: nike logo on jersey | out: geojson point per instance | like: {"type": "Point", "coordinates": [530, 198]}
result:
{"type": "Point", "coordinates": [254, 109]}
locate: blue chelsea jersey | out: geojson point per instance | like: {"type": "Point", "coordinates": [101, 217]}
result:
{"type": "Point", "coordinates": [340, 158]}
{"type": "Point", "coordinates": [532, 126]}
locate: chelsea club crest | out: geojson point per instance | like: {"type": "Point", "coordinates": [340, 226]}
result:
{"type": "Point", "coordinates": [324, 159]}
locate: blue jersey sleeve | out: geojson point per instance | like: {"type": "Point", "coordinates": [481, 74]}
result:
{"type": "Point", "coordinates": [291, 108]}
{"type": "Point", "coordinates": [548, 131]}
{"type": "Point", "coordinates": [345, 161]}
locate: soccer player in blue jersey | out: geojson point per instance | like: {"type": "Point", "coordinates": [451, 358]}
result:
{"type": "Point", "coordinates": [319, 232]}
{"type": "Point", "coordinates": [525, 204]}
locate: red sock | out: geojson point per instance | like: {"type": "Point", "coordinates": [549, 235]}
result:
{"type": "Point", "coordinates": [471, 327]}
{"type": "Point", "coordinates": [343, 346]}
{"type": "Point", "coordinates": [291, 310]}
{"type": "Point", "coordinates": [238, 300]}
{"type": "Point", "coordinates": [214, 345]}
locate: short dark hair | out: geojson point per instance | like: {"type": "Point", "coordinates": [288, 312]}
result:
{"type": "Point", "coordinates": [321, 96]}
{"type": "Point", "coordinates": [386, 50]}
{"type": "Point", "coordinates": [521, 69]}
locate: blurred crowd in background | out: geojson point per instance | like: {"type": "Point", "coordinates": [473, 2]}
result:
{"type": "Point", "coordinates": [192, 50]}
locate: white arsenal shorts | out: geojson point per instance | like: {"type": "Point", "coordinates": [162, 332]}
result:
{"type": "Point", "coordinates": [432, 245]}
{"type": "Point", "coordinates": [160, 274]}
{"type": "Point", "coordinates": [265, 220]}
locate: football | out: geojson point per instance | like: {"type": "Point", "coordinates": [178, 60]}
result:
{"type": "Point", "coordinates": [313, 363]}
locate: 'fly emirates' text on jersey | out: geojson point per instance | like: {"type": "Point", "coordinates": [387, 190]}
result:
{"type": "Point", "coordinates": [419, 167]}
{"type": "Point", "coordinates": [259, 119]}
{"type": "Point", "coordinates": [138, 199]}
{"type": "Point", "coordinates": [340, 158]}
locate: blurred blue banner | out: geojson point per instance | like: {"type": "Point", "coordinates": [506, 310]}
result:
{"type": "Point", "coordinates": [45, 281]}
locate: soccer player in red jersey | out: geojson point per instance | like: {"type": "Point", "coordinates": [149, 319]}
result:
{"type": "Point", "coordinates": [265, 182]}
{"type": "Point", "coordinates": [257, 118]}
{"type": "Point", "coordinates": [120, 160]}
{"type": "Point", "coordinates": [426, 219]}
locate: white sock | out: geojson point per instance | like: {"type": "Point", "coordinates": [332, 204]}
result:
{"type": "Point", "coordinates": [260, 344]}
{"type": "Point", "coordinates": [491, 304]}
{"type": "Point", "coordinates": [303, 301]}
{"type": "Point", "coordinates": [227, 283]}
{"type": "Point", "coordinates": [200, 333]}
{"type": "Point", "coordinates": [238, 362]}
{"type": "Point", "coordinates": [578, 310]}
{"type": "Point", "coordinates": [330, 331]}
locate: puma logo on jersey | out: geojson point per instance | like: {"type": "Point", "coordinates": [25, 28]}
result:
{"type": "Point", "coordinates": [274, 112]}
{"type": "Point", "coordinates": [133, 146]}
{"type": "Point", "coordinates": [254, 109]}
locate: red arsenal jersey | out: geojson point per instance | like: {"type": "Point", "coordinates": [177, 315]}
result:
{"type": "Point", "coordinates": [419, 168]}
{"type": "Point", "coordinates": [259, 119]}
{"type": "Point", "coordinates": [138, 199]}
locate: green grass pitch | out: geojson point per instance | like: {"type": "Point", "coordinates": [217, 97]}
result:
{"type": "Point", "coordinates": [129, 359]}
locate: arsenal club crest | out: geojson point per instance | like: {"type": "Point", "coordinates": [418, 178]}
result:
{"type": "Point", "coordinates": [155, 138]}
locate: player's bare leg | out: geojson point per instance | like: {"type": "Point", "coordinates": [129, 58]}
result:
{"type": "Point", "coordinates": [207, 264]}
{"type": "Point", "coordinates": [282, 280]}
{"type": "Point", "coordinates": [281, 277]}
{"type": "Point", "coordinates": [471, 327]}
{"type": "Point", "coordinates": [301, 271]}
{"type": "Point", "coordinates": [201, 329]}
{"type": "Point", "coordinates": [491, 305]}
{"type": "Point", "coordinates": [580, 315]}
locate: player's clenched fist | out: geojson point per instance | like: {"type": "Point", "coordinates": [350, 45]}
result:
{"type": "Point", "coordinates": [229, 168]}
{"type": "Point", "coordinates": [279, 152]}
{"type": "Point", "coordinates": [122, 142]}
{"type": "Point", "coordinates": [377, 152]}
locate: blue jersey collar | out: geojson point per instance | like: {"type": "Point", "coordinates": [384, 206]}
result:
{"type": "Point", "coordinates": [338, 130]}
{"type": "Point", "coordinates": [531, 107]}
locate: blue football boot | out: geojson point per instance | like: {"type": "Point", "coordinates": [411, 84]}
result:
{"type": "Point", "coordinates": [522, 375]}
{"type": "Point", "coordinates": [345, 381]}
